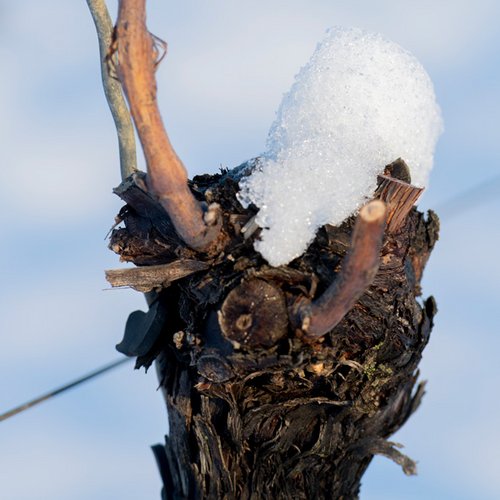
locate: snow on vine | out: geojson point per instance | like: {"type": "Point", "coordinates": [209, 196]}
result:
{"type": "Point", "coordinates": [360, 103]}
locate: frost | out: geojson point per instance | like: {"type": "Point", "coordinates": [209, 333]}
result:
{"type": "Point", "coordinates": [360, 103]}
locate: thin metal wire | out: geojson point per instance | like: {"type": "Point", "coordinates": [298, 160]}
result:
{"type": "Point", "coordinates": [128, 164]}
{"type": "Point", "coordinates": [64, 388]}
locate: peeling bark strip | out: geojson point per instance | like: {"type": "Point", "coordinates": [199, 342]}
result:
{"type": "Point", "coordinates": [137, 60]}
{"type": "Point", "coordinates": [145, 279]}
{"type": "Point", "coordinates": [357, 273]}
{"type": "Point", "coordinates": [401, 198]}
{"type": "Point", "coordinates": [396, 190]}
{"type": "Point", "coordinates": [256, 408]}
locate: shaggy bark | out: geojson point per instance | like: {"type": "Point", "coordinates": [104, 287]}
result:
{"type": "Point", "coordinates": [257, 409]}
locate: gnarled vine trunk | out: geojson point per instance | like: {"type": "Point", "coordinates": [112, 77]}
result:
{"type": "Point", "coordinates": [257, 407]}
{"type": "Point", "coordinates": [279, 382]}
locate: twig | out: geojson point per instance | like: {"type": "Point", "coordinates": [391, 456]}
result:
{"type": "Point", "coordinates": [357, 273]}
{"type": "Point", "coordinates": [147, 278]}
{"type": "Point", "coordinates": [137, 61]}
{"type": "Point", "coordinates": [55, 392]}
{"type": "Point", "coordinates": [113, 91]}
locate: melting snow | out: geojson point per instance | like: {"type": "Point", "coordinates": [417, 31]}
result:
{"type": "Point", "coordinates": [360, 103]}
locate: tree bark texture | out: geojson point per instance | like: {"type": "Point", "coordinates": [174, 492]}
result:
{"type": "Point", "coordinates": [257, 409]}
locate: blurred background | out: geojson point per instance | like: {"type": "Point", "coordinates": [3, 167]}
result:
{"type": "Point", "coordinates": [228, 64]}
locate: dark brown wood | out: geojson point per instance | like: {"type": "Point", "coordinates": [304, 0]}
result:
{"type": "Point", "coordinates": [358, 271]}
{"type": "Point", "coordinates": [256, 409]}
{"type": "Point", "coordinates": [147, 278]}
{"type": "Point", "coordinates": [398, 170]}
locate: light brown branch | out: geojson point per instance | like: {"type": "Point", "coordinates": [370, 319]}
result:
{"type": "Point", "coordinates": [147, 278]}
{"type": "Point", "coordinates": [113, 91]}
{"type": "Point", "coordinates": [357, 273]}
{"type": "Point", "coordinates": [137, 59]}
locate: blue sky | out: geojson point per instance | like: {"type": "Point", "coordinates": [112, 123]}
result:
{"type": "Point", "coordinates": [229, 62]}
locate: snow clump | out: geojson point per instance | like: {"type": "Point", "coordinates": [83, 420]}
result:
{"type": "Point", "coordinates": [360, 103]}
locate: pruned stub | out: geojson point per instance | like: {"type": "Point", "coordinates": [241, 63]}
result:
{"type": "Point", "coordinates": [258, 409]}
{"type": "Point", "coordinates": [254, 314]}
